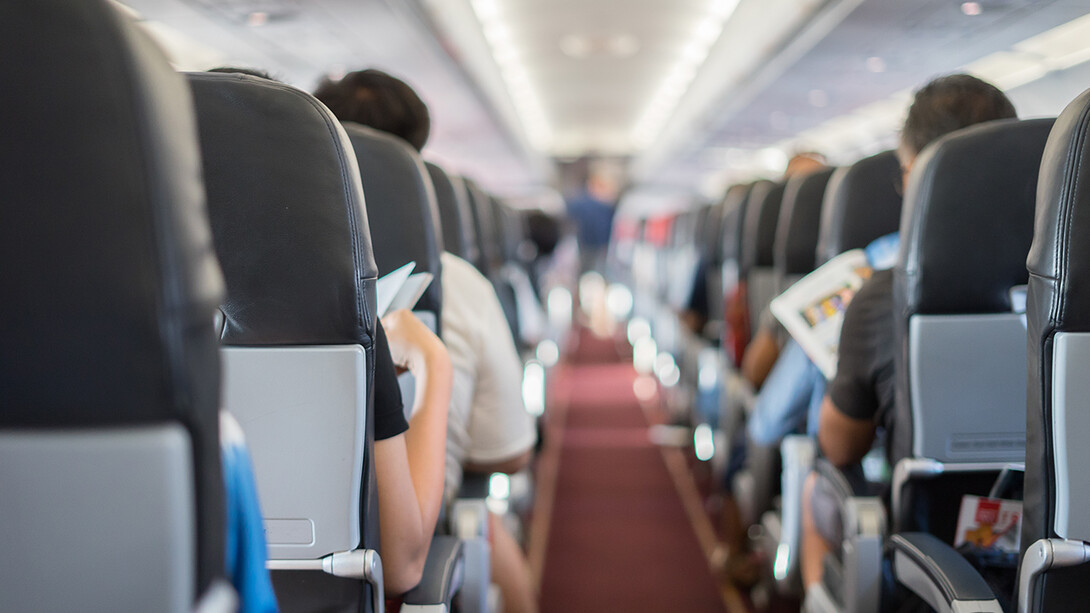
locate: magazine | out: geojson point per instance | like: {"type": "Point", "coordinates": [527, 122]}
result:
{"type": "Point", "coordinates": [989, 523]}
{"type": "Point", "coordinates": [401, 289]}
{"type": "Point", "coordinates": [812, 310]}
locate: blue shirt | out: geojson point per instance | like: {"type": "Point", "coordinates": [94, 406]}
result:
{"type": "Point", "coordinates": [246, 553]}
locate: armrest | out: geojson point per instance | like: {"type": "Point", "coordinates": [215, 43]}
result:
{"type": "Point", "coordinates": [937, 573]}
{"type": "Point", "coordinates": [443, 573]}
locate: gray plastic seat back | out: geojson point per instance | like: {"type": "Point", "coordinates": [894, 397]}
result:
{"type": "Point", "coordinates": [965, 230]}
{"type": "Point", "coordinates": [111, 493]}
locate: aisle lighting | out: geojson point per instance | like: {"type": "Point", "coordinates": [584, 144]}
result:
{"type": "Point", "coordinates": [533, 388]}
{"type": "Point", "coordinates": [644, 352]}
{"type": "Point", "coordinates": [559, 304]}
{"type": "Point", "coordinates": [638, 328]}
{"type": "Point", "coordinates": [703, 443]}
{"type": "Point", "coordinates": [508, 58]}
{"type": "Point", "coordinates": [680, 76]}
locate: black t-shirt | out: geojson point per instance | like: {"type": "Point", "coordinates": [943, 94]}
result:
{"type": "Point", "coordinates": [389, 407]}
{"type": "Point", "coordinates": [863, 387]}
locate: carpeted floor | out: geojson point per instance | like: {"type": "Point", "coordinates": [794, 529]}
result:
{"type": "Point", "coordinates": [618, 537]}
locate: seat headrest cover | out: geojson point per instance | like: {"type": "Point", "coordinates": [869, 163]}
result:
{"type": "Point", "coordinates": [286, 205]}
{"type": "Point", "coordinates": [862, 203]}
{"type": "Point", "coordinates": [968, 219]}
{"type": "Point", "coordinates": [1060, 253]}
{"type": "Point", "coordinates": [401, 207]}
{"type": "Point", "coordinates": [454, 215]}
{"type": "Point", "coordinates": [762, 215]}
{"type": "Point", "coordinates": [110, 280]}
{"type": "Point", "coordinates": [800, 220]}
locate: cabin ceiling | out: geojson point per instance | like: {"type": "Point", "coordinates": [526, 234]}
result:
{"type": "Point", "coordinates": [682, 88]}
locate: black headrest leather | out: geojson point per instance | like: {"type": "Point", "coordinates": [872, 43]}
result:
{"type": "Point", "coordinates": [862, 203]}
{"type": "Point", "coordinates": [1060, 257]}
{"type": "Point", "coordinates": [1058, 300]}
{"type": "Point", "coordinates": [287, 212]}
{"type": "Point", "coordinates": [800, 220]}
{"type": "Point", "coordinates": [762, 215]}
{"type": "Point", "coordinates": [400, 206]}
{"type": "Point", "coordinates": [110, 280]}
{"type": "Point", "coordinates": [968, 219]}
{"type": "Point", "coordinates": [728, 224]}
{"type": "Point", "coordinates": [455, 217]}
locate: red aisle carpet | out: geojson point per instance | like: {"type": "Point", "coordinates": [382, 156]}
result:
{"type": "Point", "coordinates": [618, 536]}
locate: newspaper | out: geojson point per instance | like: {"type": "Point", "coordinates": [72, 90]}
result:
{"type": "Point", "coordinates": [812, 310]}
{"type": "Point", "coordinates": [401, 289]}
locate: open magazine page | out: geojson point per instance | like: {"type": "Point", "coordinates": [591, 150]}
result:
{"type": "Point", "coordinates": [388, 286]}
{"type": "Point", "coordinates": [812, 310]}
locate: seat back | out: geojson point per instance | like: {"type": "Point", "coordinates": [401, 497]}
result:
{"type": "Point", "coordinates": [759, 235]}
{"type": "Point", "coordinates": [455, 217]}
{"type": "Point", "coordinates": [862, 202]}
{"type": "Point", "coordinates": [726, 220]}
{"type": "Point", "coordinates": [797, 231]}
{"type": "Point", "coordinates": [286, 206]}
{"type": "Point", "coordinates": [483, 227]}
{"type": "Point", "coordinates": [401, 209]}
{"type": "Point", "coordinates": [110, 485]}
{"type": "Point", "coordinates": [960, 358]}
{"type": "Point", "coordinates": [1058, 316]}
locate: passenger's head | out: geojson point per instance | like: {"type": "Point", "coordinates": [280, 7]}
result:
{"type": "Point", "coordinates": [253, 72]}
{"type": "Point", "coordinates": [804, 163]}
{"type": "Point", "coordinates": [375, 99]}
{"type": "Point", "coordinates": [947, 104]}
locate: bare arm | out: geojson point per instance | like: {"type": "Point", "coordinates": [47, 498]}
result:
{"type": "Point", "coordinates": [409, 467]}
{"type": "Point", "coordinates": [844, 440]}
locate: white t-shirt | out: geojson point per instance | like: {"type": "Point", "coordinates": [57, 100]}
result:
{"type": "Point", "coordinates": [488, 421]}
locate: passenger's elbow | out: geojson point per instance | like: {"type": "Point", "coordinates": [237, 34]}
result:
{"type": "Point", "coordinates": [404, 577]}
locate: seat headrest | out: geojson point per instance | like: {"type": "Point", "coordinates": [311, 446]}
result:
{"type": "Point", "coordinates": [862, 203]}
{"type": "Point", "coordinates": [800, 220]}
{"type": "Point", "coordinates": [1060, 254]}
{"type": "Point", "coordinates": [287, 212]}
{"type": "Point", "coordinates": [110, 280]}
{"type": "Point", "coordinates": [968, 219]}
{"type": "Point", "coordinates": [729, 227]}
{"type": "Point", "coordinates": [454, 215]}
{"type": "Point", "coordinates": [762, 215]}
{"type": "Point", "coordinates": [400, 206]}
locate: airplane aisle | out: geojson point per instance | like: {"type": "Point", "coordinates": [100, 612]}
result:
{"type": "Point", "coordinates": [616, 534]}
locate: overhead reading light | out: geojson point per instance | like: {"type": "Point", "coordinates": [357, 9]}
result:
{"type": "Point", "coordinates": [517, 80]}
{"type": "Point", "coordinates": [680, 76]}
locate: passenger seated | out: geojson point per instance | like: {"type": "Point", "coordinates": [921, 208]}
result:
{"type": "Point", "coordinates": [489, 429]}
{"type": "Point", "coordinates": [860, 398]}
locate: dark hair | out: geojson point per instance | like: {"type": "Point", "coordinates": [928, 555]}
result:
{"type": "Point", "coordinates": [253, 72]}
{"type": "Point", "coordinates": [374, 98]}
{"type": "Point", "coordinates": [950, 103]}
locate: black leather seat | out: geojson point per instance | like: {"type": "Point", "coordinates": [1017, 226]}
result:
{"type": "Point", "coordinates": [862, 203]}
{"type": "Point", "coordinates": [454, 214]}
{"type": "Point", "coordinates": [758, 238]}
{"type": "Point", "coordinates": [959, 351]}
{"type": "Point", "coordinates": [401, 207]}
{"type": "Point", "coordinates": [800, 221]}
{"type": "Point", "coordinates": [111, 491]}
{"type": "Point", "coordinates": [1054, 528]}
{"type": "Point", "coordinates": [488, 261]}
{"type": "Point", "coordinates": [286, 207]}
